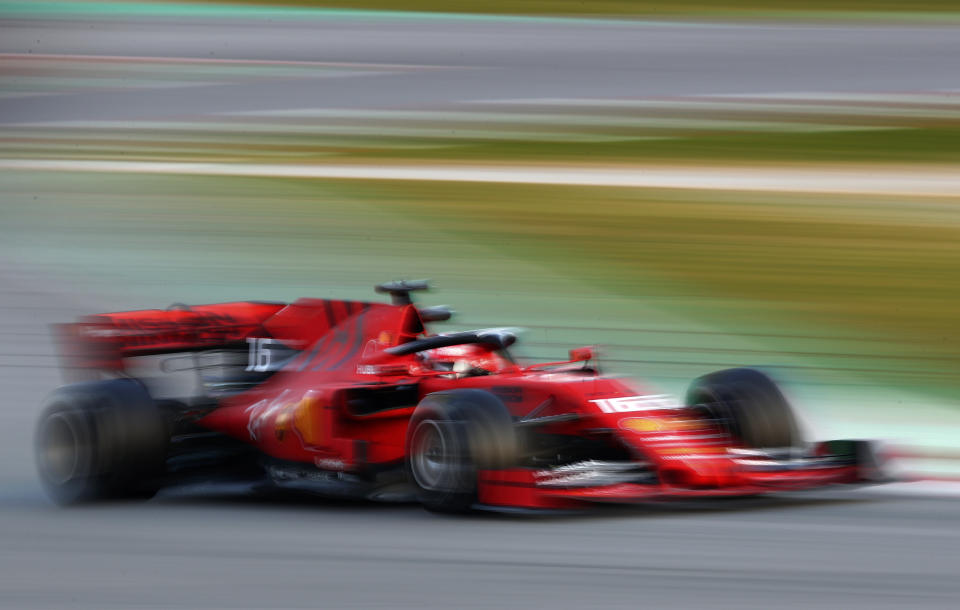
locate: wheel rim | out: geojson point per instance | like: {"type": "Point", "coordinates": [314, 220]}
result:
{"type": "Point", "coordinates": [430, 460]}
{"type": "Point", "coordinates": [60, 449]}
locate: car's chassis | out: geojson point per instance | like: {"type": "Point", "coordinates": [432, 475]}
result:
{"type": "Point", "coordinates": [357, 399]}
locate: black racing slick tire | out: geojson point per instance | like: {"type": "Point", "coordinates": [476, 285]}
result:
{"type": "Point", "coordinates": [102, 440]}
{"type": "Point", "coordinates": [451, 437]}
{"type": "Point", "coordinates": [750, 407]}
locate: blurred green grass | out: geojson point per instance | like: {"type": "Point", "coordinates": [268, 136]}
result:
{"type": "Point", "coordinates": [897, 145]}
{"type": "Point", "coordinates": [900, 145]}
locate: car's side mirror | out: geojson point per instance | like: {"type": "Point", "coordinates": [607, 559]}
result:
{"type": "Point", "coordinates": [437, 313]}
{"type": "Point", "coordinates": [582, 354]}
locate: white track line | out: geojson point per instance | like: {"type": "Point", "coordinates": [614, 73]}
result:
{"type": "Point", "coordinates": [899, 181]}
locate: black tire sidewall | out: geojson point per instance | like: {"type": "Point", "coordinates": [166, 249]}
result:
{"type": "Point", "coordinates": [753, 407]}
{"type": "Point", "coordinates": [124, 439]}
{"type": "Point", "coordinates": [478, 432]}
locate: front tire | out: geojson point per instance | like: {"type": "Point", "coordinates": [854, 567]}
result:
{"type": "Point", "coordinates": [103, 440]}
{"type": "Point", "coordinates": [749, 405]}
{"type": "Point", "coordinates": [451, 437]}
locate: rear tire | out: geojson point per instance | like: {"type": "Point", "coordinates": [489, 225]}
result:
{"type": "Point", "coordinates": [750, 406]}
{"type": "Point", "coordinates": [103, 440]}
{"type": "Point", "coordinates": [453, 435]}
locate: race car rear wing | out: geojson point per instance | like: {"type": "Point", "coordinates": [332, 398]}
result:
{"type": "Point", "coordinates": [102, 341]}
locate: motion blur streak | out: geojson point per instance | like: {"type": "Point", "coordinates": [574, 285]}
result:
{"type": "Point", "coordinates": [909, 182]}
{"type": "Point", "coordinates": [845, 280]}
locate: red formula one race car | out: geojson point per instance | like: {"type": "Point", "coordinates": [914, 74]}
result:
{"type": "Point", "coordinates": [358, 399]}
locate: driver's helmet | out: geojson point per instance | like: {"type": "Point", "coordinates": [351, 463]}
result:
{"type": "Point", "coordinates": [468, 358]}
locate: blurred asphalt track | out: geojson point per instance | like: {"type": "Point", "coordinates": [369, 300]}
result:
{"type": "Point", "coordinates": [436, 63]}
{"type": "Point", "coordinates": [829, 549]}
